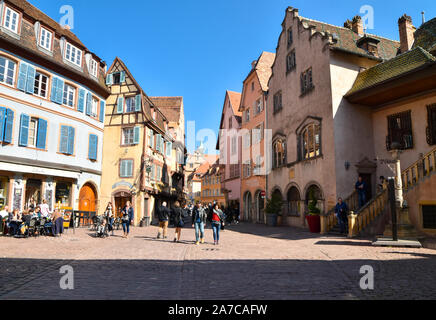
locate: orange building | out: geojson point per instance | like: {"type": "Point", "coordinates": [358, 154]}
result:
{"type": "Point", "coordinates": [253, 101]}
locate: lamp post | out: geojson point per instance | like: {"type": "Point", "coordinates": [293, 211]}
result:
{"type": "Point", "coordinates": [396, 151]}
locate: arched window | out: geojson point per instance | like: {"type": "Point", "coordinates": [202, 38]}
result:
{"type": "Point", "coordinates": [310, 142]}
{"type": "Point", "coordinates": [279, 153]}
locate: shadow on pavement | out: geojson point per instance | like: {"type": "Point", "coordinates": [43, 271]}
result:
{"type": "Point", "coordinates": [218, 279]}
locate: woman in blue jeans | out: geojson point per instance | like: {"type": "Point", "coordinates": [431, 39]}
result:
{"type": "Point", "coordinates": [199, 218]}
{"type": "Point", "coordinates": [217, 221]}
{"type": "Point", "coordinates": [127, 218]}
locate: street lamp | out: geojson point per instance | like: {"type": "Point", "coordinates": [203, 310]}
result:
{"type": "Point", "coordinates": [395, 152]}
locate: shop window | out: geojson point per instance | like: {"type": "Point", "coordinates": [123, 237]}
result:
{"type": "Point", "coordinates": [310, 142]}
{"type": "Point", "coordinates": [63, 194]}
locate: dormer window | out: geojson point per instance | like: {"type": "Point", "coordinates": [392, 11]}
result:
{"type": "Point", "coordinates": [93, 68]}
{"type": "Point", "coordinates": [45, 39]}
{"type": "Point", "coordinates": [11, 20]}
{"type": "Point", "coordinates": [73, 54]}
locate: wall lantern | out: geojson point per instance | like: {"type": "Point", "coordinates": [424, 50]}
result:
{"type": "Point", "coordinates": [347, 165]}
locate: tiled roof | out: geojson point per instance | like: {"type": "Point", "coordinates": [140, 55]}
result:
{"type": "Point", "coordinates": [31, 11]}
{"type": "Point", "coordinates": [263, 68]}
{"type": "Point", "coordinates": [235, 100]}
{"type": "Point", "coordinates": [347, 38]}
{"type": "Point", "coordinates": [170, 107]}
{"type": "Point", "coordinates": [390, 69]}
{"type": "Point", "coordinates": [425, 36]}
{"type": "Point", "coordinates": [27, 45]}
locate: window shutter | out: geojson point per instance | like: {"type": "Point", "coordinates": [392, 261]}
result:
{"type": "Point", "coordinates": [122, 168]}
{"type": "Point", "coordinates": [151, 142]}
{"type": "Point", "coordinates": [30, 83]}
{"type": "Point", "coordinates": [63, 147]}
{"type": "Point", "coordinates": [102, 110]}
{"type": "Point", "coordinates": [9, 124]}
{"type": "Point", "coordinates": [109, 79]}
{"type": "Point", "coordinates": [136, 134]}
{"type": "Point", "coordinates": [92, 148]}
{"type": "Point", "coordinates": [54, 85]}
{"type": "Point", "coordinates": [81, 102]}
{"type": "Point", "coordinates": [129, 168]}
{"type": "Point", "coordinates": [42, 134]}
{"type": "Point", "coordinates": [60, 91]}
{"type": "Point", "coordinates": [120, 105]}
{"type": "Point", "coordinates": [24, 130]}
{"type": "Point", "coordinates": [71, 132]}
{"type": "Point", "coordinates": [2, 122]}
{"type": "Point", "coordinates": [88, 103]}
{"type": "Point", "coordinates": [169, 149]}
{"type": "Point", "coordinates": [22, 77]}
{"type": "Point", "coordinates": [122, 76]}
{"type": "Point", "coordinates": [138, 103]}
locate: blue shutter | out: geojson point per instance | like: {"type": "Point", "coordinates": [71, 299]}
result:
{"type": "Point", "coordinates": [151, 143]}
{"type": "Point", "coordinates": [137, 131]}
{"type": "Point", "coordinates": [30, 84]}
{"type": "Point", "coordinates": [122, 76]}
{"type": "Point", "coordinates": [109, 79]}
{"type": "Point", "coordinates": [120, 105]}
{"type": "Point", "coordinates": [2, 122]}
{"type": "Point", "coordinates": [22, 77]}
{"type": "Point", "coordinates": [60, 91]}
{"type": "Point", "coordinates": [88, 103]}
{"type": "Point", "coordinates": [169, 148]}
{"type": "Point", "coordinates": [42, 134]}
{"type": "Point", "coordinates": [24, 130]}
{"type": "Point", "coordinates": [138, 103]}
{"type": "Point", "coordinates": [63, 148]}
{"type": "Point", "coordinates": [102, 110]}
{"type": "Point", "coordinates": [81, 102]}
{"type": "Point", "coordinates": [92, 148]}
{"type": "Point", "coordinates": [71, 131]}
{"type": "Point", "coordinates": [54, 84]}
{"type": "Point", "coordinates": [122, 168]}
{"type": "Point", "coordinates": [9, 125]}
{"type": "Point", "coordinates": [129, 168]}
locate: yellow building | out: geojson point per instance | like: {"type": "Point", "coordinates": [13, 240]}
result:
{"type": "Point", "coordinates": [135, 146]}
{"type": "Point", "coordinates": [211, 186]}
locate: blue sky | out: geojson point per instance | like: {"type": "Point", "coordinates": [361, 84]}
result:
{"type": "Point", "coordinates": [198, 49]}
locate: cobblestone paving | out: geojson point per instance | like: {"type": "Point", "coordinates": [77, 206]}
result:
{"type": "Point", "coordinates": [252, 262]}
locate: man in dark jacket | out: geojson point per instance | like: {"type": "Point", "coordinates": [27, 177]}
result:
{"type": "Point", "coordinates": [163, 214]}
{"type": "Point", "coordinates": [361, 191]}
{"type": "Point", "coordinates": [199, 219]}
{"type": "Point", "coordinates": [341, 211]}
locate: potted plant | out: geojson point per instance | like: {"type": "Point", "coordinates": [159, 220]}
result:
{"type": "Point", "coordinates": [273, 209]}
{"type": "Point", "coordinates": [313, 217]}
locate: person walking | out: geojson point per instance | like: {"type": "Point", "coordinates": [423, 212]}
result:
{"type": "Point", "coordinates": [361, 191]}
{"type": "Point", "coordinates": [217, 222]}
{"type": "Point", "coordinates": [179, 223]}
{"type": "Point", "coordinates": [109, 216]}
{"type": "Point", "coordinates": [127, 218]}
{"type": "Point", "coordinates": [341, 211]}
{"type": "Point", "coordinates": [199, 219]}
{"type": "Point", "coordinates": [163, 216]}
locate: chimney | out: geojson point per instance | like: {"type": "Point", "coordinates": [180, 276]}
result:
{"type": "Point", "coordinates": [357, 25]}
{"type": "Point", "coordinates": [407, 31]}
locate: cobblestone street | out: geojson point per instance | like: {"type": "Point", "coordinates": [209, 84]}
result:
{"type": "Point", "coordinates": [252, 262]}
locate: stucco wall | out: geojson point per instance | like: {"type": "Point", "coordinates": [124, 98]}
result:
{"type": "Point", "coordinates": [310, 52]}
{"type": "Point", "coordinates": [352, 123]}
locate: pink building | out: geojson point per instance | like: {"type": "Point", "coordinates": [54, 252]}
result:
{"type": "Point", "coordinates": [229, 145]}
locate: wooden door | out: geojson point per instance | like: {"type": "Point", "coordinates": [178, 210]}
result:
{"type": "Point", "coordinates": [367, 178]}
{"type": "Point", "coordinates": [87, 198]}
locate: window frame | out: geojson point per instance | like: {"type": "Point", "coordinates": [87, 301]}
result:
{"type": "Point", "coordinates": [132, 107]}
{"type": "Point", "coordinates": [306, 81]}
{"type": "Point", "coordinates": [277, 107]}
{"type": "Point", "coordinates": [305, 153]}
{"type": "Point", "coordinates": [133, 168]}
{"type": "Point", "coordinates": [71, 59]}
{"type": "Point", "coordinates": [275, 155]}
{"type": "Point", "coordinates": [289, 37]}
{"type": "Point", "coordinates": [50, 44]}
{"type": "Point", "coordinates": [405, 129]}
{"type": "Point", "coordinates": [8, 61]}
{"type": "Point", "coordinates": [93, 67]}
{"type": "Point", "coordinates": [97, 103]}
{"type": "Point", "coordinates": [123, 136]}
{"type": "Point", "coordinates": [431, 124]}
{"type": "Point", "coordinates": [293, 66]}
{"type": "Point", "coordinates": [35, 132]}
{"type": "Point", "coordinates": [18, 22]}
{"type": "Point", "coordinates": [65, 91]}
{"type": "Point", "coordinates": [38, 87]}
